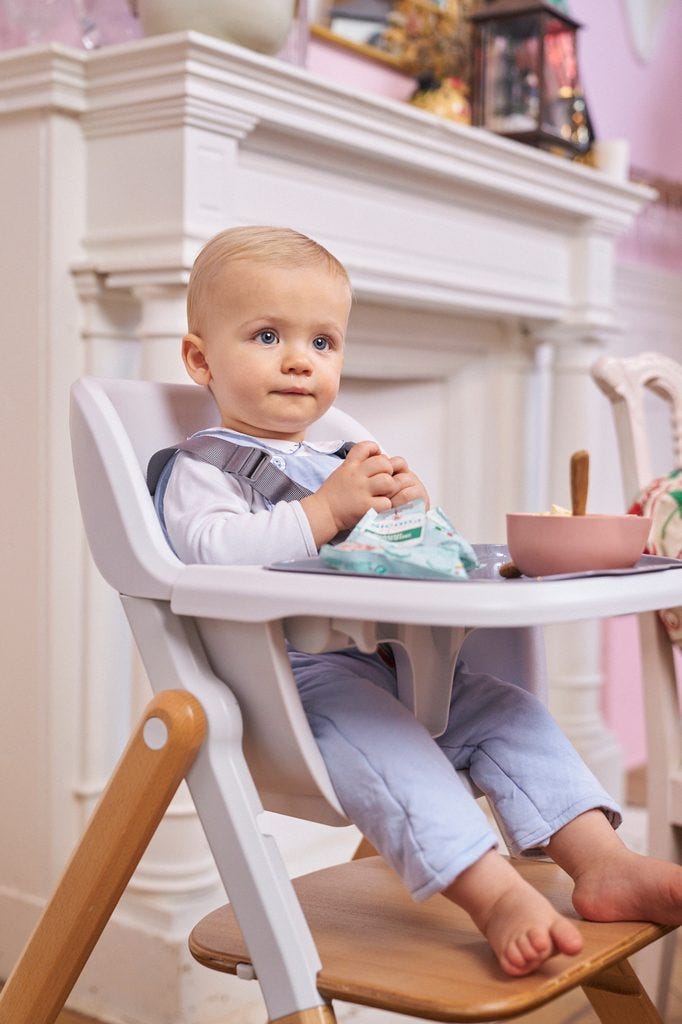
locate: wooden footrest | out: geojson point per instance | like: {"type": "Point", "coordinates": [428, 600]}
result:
{"type": "Point", "coordinates": [380, 948]}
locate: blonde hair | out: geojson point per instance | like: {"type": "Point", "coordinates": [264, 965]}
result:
{"type": "Point", "coordinates": [269, 245]}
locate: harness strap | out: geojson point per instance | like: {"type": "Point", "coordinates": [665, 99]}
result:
{"type": "Point", "coordinates": [251, 464]}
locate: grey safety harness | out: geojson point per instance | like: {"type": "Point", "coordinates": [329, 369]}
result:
{"type": "Point", "coordinates": [251, 464]}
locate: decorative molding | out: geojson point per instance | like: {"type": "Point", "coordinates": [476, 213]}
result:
{"type": "Point", "coordinates": [169, 112]}
{"type": "Point", "coordinates": [297, 105]}
{"type": "Point", "coordinates": [279, 123]}
{"type": "Point", "coordinates": [34, 79]}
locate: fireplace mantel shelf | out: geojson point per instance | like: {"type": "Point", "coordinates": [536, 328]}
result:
{"type": "Point", "coordinates": [219, 76]}
{"type": "Point", "coordinates": [424, 212]}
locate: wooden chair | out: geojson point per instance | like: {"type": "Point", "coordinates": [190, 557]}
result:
{"type": "Point", "coordinates": [627, 382]}
{"type": "Point", "coordinates": [226, 717]}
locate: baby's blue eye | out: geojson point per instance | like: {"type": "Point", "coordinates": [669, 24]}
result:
{"type": "Point", "coordinates": [321, 344]}
{"type": "Point", "coordinates": [267, 337]}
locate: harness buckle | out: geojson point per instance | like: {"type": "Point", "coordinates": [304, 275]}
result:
{"type": "Point", "coordinates": [255, 464]}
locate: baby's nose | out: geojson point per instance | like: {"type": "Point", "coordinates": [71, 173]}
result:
{"type": "Point", "coordinates": [297, 360]}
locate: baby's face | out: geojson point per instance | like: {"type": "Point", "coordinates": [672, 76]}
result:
{"type": "Point", "coordinates": [272, 347]}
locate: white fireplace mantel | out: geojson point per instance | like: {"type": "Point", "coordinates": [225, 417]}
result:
{"type": "Point", "coordinates": [484, 279]}
{"type": "Point", "coordinates": [185, 134]}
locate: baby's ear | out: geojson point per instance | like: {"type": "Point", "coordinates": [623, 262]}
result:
{"type": "Point", "coordinates": [194, 358]}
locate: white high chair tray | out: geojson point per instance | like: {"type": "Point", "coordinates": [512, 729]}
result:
{"type": "Point", "coordinates": [243, 594]}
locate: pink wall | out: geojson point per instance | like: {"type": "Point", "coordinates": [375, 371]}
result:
{"type": "Point", "coordinates": [623, 705]}
{"type": "Point", "coordinates": [638, 101]}
{"type": "Point", "coordinates": [89, 23]}
{"type": "Point", "coordinates": [622, 696]}
{"type": "Point", "coordinates": [340, 65]}
{"type": "Point", "coordinates": [628, 98]}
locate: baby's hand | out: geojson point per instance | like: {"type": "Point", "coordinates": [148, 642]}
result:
{"type": "Point", "coordinates": [364, 480]}
{"type": "Point", "coordinates": [408, 486]}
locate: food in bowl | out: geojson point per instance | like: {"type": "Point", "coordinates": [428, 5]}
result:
{"type": "Point", "coordinates": [550, 545]}
{"type": "Point", "coordinates": [557, 510]}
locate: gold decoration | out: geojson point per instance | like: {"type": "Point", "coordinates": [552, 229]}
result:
{"type": "Point", "coordinates": [431, 40]}
{"type": "Point", "coordinates": [448, 98]}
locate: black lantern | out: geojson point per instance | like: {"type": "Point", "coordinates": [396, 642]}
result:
{"type": "Point", "coordinates": [526, 83]}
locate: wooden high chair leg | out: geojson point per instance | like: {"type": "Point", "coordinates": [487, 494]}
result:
{"type": "Point", "coordinates": [315, 1015]}
{"type": "Point", "coordinates": [144, 781]}
{"type": "Point", "coordinates": [617, 997]}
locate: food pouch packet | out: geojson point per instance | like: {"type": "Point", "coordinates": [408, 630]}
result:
{"type": "Point", "coordinates": [405, 541]}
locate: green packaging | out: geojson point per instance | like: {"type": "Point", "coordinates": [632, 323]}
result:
{"type": "Point", "coordinates": [405, 541]}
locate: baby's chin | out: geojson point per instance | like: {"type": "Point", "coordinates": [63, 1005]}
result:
{"type": "Point", "coordinates": [275, 432]}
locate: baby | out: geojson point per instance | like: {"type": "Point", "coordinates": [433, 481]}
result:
{"type": "Point", "coordinates": [268, 310]}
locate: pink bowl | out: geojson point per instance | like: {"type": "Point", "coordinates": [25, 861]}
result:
{"type": "Point", "coordinates": [543, 545]}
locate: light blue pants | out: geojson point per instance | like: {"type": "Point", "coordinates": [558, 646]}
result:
{"type": "Point", "coordinates": [398, 785]}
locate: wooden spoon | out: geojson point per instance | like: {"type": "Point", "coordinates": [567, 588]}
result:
{"type": "Point", "coordinates": [580, 474]}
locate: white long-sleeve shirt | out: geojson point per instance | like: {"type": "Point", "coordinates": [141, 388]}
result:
{"type": "Point", "coordinates": [214, 517]}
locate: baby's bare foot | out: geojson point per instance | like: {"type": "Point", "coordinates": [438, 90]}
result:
{"type": "Point", "coordinates": [524, 930]}
{"type": "Point", "coordinates": [625, 886]}
{"type": "Point", "coordinates": [522, 927]}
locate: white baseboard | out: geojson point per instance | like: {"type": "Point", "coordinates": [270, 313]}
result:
{"type": "Point", "coordinates": [138, 977]}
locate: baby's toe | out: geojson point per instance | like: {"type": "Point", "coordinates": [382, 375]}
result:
{"type": "Point", "coordinates": [539, 943]}
{"type": "Point", "coordinates": [520, 956]}
{"type": "Point", "coordinates": [567, 939]}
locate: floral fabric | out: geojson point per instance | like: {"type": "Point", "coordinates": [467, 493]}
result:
{"type": "Point", "coordinates": [662, 500]}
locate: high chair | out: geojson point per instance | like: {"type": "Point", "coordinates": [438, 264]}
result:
{"type": "Point", "coordinates": [627, 382]}
{"type": "Point", "coordinates": [226, 716]}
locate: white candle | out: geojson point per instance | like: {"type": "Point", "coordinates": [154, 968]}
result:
{"type": "Point", "coordinates": [612, 156]}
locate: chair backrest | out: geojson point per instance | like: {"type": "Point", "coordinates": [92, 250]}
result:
{"type": "Point", "coordinates": [116, 425]}
{"type": "Point", "coordinates": [626, 383]}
